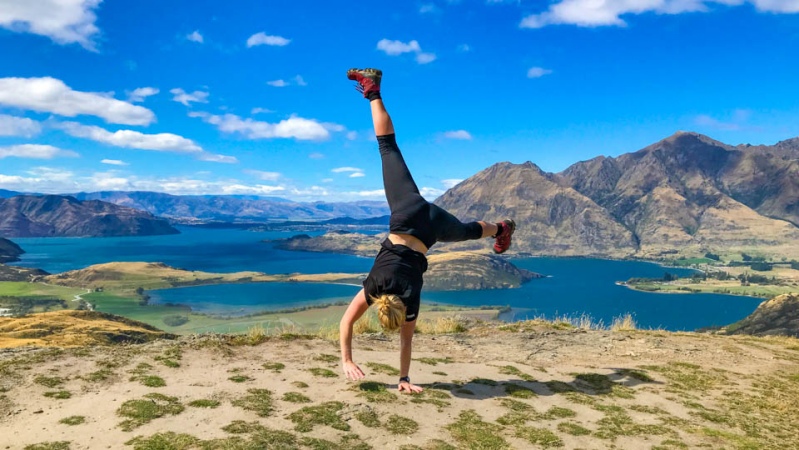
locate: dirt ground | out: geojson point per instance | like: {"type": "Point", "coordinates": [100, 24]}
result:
{"type": "Point", "coordinates": [495, 386]}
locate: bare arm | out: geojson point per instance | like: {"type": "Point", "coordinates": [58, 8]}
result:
{"type": "Point", "coordinates": [357, 307]}
{"type": "Point", "coordinates": [406, 348]}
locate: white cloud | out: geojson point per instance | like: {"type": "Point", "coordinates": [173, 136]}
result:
{"type": "Point", "coordinates": [357, 175]}
{"type": "Point", "coordinates": [114, 162]}
{"type": "Point", "coordinates": [464, 48]}
{"type": "Point", "coordinates": [63, 21]}
{"type": "Point", "coordinates": [18, 126]}
{"type": "Point", "coordinates": [346, 169]}
{"type": "Point", "coordinates": [139, 94]}
{"type": "Point", "coordinates": [186, 98]}
{"type": "Point", "coordinates": [458, 134]}
{"type": "Point", "coordinates": [736, 122]}
{"type": "Point", "coordinates": [430, 193]}
{"type": "Point", "coordinates": [593, 13]}
{"type": "Point", "coordinates": [379, 193]}
{"type": "Point", "coordinates": [327, 180]}
{"type": "Point", "coordinates": [316, 155]}
{"type": "Point", "coordinates": [265, 176]}
{"type": "Point", "coordinates": [53, 96]}
{"type": "Point", "coordinates": [537, 72]}
{"type": "Point", "coordinates": [451, 182]}
{"type": "Point", "coordinates": [424, 58]}
{"type": "Point", "coordinates": [296, 81]}
{"type": "Point", "coordinates": [395, 48]}
{"type": "Point", "coordinates": [260, 111]}
{"type": "Point", "coordinates": [265, 39]}
{"type": "Point", "coordinates": [131, 139]}
{"type": "Point", "coordinates": [195, 37]}
{"type": "Point", "coordinates": [352, 135]}
{"type": "Point", "coordinates": [211, 157]}
{"type": "Point", "coordinates": [293, 127]}
{"type": "Point", "coordinates": [35, 151]}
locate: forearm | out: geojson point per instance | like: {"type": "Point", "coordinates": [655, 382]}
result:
{"type": "Point", "coordinates": [345, 339]}
{"type": "Point", "coordinates": [406, 348]}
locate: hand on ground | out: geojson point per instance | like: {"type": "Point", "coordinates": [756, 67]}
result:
{"type": "Point", "coordinates": [352, 371]}
{"type": "Point", "coordinates": [409, 388]}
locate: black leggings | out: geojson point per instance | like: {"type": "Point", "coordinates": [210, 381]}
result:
{"type": "Point", "coordinates": [410, 212]}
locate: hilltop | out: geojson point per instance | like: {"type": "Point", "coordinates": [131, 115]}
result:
{"type": "Point", "coordinates": [491, 386]}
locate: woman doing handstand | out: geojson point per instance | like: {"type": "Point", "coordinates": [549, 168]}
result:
{"type": "Point", "coordinates": [394, 284]}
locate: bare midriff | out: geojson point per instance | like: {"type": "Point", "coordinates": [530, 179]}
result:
{"type": "Point", "coordinates": [409, 241]}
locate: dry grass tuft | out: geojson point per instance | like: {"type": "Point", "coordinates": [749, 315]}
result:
{"type": "Point", "coordinates": [442, 325]}
{"type": "Point", "coordinates": [624, 323]}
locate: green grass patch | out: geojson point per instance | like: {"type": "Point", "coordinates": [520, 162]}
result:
{"type": "Point", "coordinates": [573, 429]}
{"type": "Point", "coordinates": [618, 423]}
{"type": "Point", "coordinates": [472, 432]}
{"type": "Point", "coordinates": [539, 436]}
{"type": "Point", "coordinates": [152, 381]}
{"type": "Point", "coordinates": [60, 395]}
{"type": "Point", "coordinates": [50, 382]}
{"type": "Point", "coordinates": [637, 374]}
{"type": "Point", "coordinates": [435, 361]}
{"type": "Point", "coordinates": [321, 372]}
{"type": "Point", "coordinates": [326, 358]}
{"type": "Point", "coordinates": [274, 366]}
{"type": "Point", "coordinates": [240, 378]}
{"type": "Point", "coordinates": [433, 397]}
{"type": "Point", "coordinates": [383, 368]}
{"type": "Point", "coordinates": [325, 414]}
{"type": "Point", "coordinates": [557, 412]}
{"type": "Point", "coordinates": [443, 374]}
{"type": "Point", "coordinates": [164, 441]}
{"type": "Point", "coordinates": [396, 424]}
{"type": "Point", "coordinates": [560, 387]}
{"type": "Point", "coordinates": [257, 400]}
{"type": "Point", "coordinates": [98, 376]}
{"type": "Point", "coordinates": [59, 445]}
{"type": "Point", "coordinates": [368, 417]}
{"type": "Point", "coordinates": [689, 377]}
{"type": "Point", "coordinates": [375, 392]}
{"type": "Point", "coordinates": [204, 403]}
{"type": "Point", "coordinates": [300, 384]}
{"type": "Point", "coordinates": [242, 427]}
{"type": "Point", "coordinates": [73, 420]}
{"type": "Point", "coordinates": [484, 382]}
{"type": "Point", "coordinates": [515, 390]}
{"type": "Point", "coordinates": [152, 406]}
{"type": "Point", "coordinates": [511, 370]}
{"type": "Point", "coordinates": [296, 397]}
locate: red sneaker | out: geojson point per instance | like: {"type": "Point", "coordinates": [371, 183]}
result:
{"type": "Point", "coordinates": [368, 80]}
{"type": "Point", "coordinates": [503, 239]}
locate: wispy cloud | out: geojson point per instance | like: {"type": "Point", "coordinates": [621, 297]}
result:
{"type": "Point", "coordinates": [181, 96]}
{"type": "Point", "coordinates": [451, 182]}
{"type": "Point", "coordinates": [139, 94]}
{"type": "Point", "coordinates": [537, 72]}
{"type": "Point", "coordinates": [357, 175]}
{"type": "Point", "coordinates": [18, 126]}
{"type": "Point", "coordinates": [160, 142]}
{"type": "Point", "coordinates": [458, 134]}
{"type": "Point", "coordinates": [53, 96]}
{"type": "Point", "coordinates": [195, 37]}
{"type": "Point", "coordinates": [114, 162]}
{"type": "Point", "coordinates": [63, 21]}
{"type": "Point", "coordinates": [35, 151]}
{"type": "Point", "coordinates": [265, 39]}
{"type": "Point", "coordinates": [294, 127]}
{"type": "Point", "coordinates": [395, 48]}
{"type": "Point", "coordinates": [464, 48]}
{"type": "Point", "coordinates": [590, 13]}
{"type": "Point", "coordinates": [296, 81]}
{"type": "Point", "coordinates": [316, 155]}
{"type": "Point", "coordinates": [736, 121]}
{"type": "Point", "coordinates": [260, 111]}
{"type": "Point", "coordinates": [346, 169]}
{"type": "Point", "coordinates": [265, 176]}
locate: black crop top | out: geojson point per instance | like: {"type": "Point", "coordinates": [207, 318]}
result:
{"type": "Point", "coordinates": [397, 270]}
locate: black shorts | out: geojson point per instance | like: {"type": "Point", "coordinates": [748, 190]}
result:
{"type": "Point", "coordinates": [397, 270]}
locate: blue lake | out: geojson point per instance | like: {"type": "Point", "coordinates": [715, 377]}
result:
{"type": "Point", "coordinates": [574, 286]}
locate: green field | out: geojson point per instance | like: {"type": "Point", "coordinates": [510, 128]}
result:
{"type": "Point", "coordinates": [765, 291]}
{"type": "Point", "coordinates": [25, 289]}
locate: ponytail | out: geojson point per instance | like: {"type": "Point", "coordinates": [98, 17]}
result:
{"type": "Point", "coordinates": [390, 311]}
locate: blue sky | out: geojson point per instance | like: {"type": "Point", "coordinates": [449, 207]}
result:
{"type": "Point", "coordinates": [250, 97]}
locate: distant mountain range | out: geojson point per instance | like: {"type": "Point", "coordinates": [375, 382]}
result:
{"type": "Point", "coordinates": [53, 215]}
{"type": "Point", "coordinates": [687, 193]}
{"type": "Point", "coordinates": [227, 208]}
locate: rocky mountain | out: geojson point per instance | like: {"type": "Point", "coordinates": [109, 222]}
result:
{"type": "Point", "coordinates": [687, 192]}
{"type": "Point", "coordinates": [9, 251]}
{"type": "Point", "coordinates": [778, 316]}
{"type": "Point", "coordinates": [230, 208]}
{"type": "Point", "coordinates": [6, 194]}
{"type": "Point", "coordinates": [53, 215]}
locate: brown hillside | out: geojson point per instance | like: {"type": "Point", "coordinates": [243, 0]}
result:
{"type": "Point", "coordinates": [74, 329]}
{"type": "Point", "coordinates": [778, 316]}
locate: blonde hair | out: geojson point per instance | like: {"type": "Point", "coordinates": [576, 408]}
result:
{"type": "Point", "coordinates": [390, 311]}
